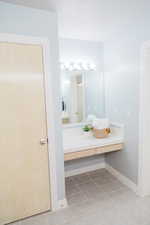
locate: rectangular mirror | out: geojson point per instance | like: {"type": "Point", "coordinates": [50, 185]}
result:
{"type": "Point", "coordinates": [80, 94]}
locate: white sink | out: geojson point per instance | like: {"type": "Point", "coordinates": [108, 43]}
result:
{"type": "Point", "coordinates": [74, 138]}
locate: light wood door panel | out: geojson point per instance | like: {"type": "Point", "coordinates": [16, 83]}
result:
{"type": "Point", "coordinates": [24, 176]}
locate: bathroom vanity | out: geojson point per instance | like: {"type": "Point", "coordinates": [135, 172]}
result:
{"type": "Point", "coordinates": [81, 100]}
{"type": "Point", "coordinates": [78, 145]}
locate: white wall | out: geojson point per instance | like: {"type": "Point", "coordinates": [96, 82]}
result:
{"type": "Point", "coordinates": [122, 72]}
{"type": "Point", "coordinates": [85, 164]}
{"type": "Point", "coordinates": [32, 22]}
{"type": "Point", "coordinates": [125, 85]}
{"type": "Point", "coordinates": [72, 50]}
{"type": "Point", "coordinates": [79, 50]}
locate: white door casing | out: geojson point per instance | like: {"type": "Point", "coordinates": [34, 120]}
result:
{"type": "Point", "coordinates": [44, 43]}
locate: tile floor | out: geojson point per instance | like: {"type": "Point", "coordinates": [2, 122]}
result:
{"type": "Point", "coordinates": [97, 198]}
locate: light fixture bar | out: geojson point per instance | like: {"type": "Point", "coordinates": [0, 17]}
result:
{"type": "Point", "coordinates": [79, 66]}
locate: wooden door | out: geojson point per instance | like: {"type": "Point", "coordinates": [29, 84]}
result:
{"type": "Point", "coordinates": [24, 171]}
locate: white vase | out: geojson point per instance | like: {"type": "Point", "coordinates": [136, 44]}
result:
{"type": "Point", "coordinates": [87, 133]}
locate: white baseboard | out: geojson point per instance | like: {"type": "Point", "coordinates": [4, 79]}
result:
{"type": "Point", "coordinates": [84, 169]}
{"type": "Point", "coordinates": [62, 204]}
{"type": "Point", "coordinates": [123, 179]}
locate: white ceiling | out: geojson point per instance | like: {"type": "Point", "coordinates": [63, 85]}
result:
{"type": "Point", "coordinates": [95, 20]}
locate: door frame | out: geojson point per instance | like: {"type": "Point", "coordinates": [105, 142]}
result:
{"type": "Point", "coordinates": [50, 118]}
{"type": "Point", "coordinates": [143, 168]}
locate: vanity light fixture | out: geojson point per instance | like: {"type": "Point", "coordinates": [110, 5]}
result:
{"type": "Point", "coordinates": [78, 66]}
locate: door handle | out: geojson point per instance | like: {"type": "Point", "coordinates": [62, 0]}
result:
{"type": "Point", "coordinates": [43, 141]}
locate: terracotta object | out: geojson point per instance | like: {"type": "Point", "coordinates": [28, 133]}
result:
{"type": "Point", "coordinates": [103, 133]}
